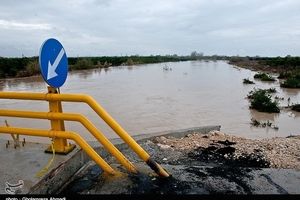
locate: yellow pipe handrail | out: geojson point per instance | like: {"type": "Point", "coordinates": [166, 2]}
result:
{"type": "Point", "coordinates": [62, 134]}
{"type": "Point", "coordinates": [79, 118]}
{"type": "Point", "coordinates": [100, 111]}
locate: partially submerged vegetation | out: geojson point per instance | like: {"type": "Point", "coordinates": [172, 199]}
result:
{"type": "Point", "coordinates": [291, 82]}
{"type": "Point", "coordinates": [247, 81]}
{"type": "Point", "coordinates": [279, 98]}
{"type": "Point", "coordinates": [292, 79]}
{"type": "Point", "coordinates": [261, 100]}
{"type": "Point", "coordinates": [264, 77]}
{"type": "Point", "coordinates": [296, 107]}
{"type": "Point", "coordinates": [263, 124]}
{"type": "Point", "coordinates": [285, 75]}
{"type": "Point", "coordinates": [288, 68]}
{"type": "Point", "coordinates": [271, 90]}
{"type": "Point", "coordinates": [254, 92]}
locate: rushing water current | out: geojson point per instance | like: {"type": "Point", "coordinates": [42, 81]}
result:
{"type": "Point", "coordinates": [147, 98]}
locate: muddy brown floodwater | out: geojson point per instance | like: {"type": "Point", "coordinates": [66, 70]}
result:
{"type": "Point", "coordinates": [146, 98]}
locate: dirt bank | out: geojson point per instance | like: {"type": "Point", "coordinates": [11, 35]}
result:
{"type": "Point", "coordinates": [254, 65]}
{"type": "Point", "coordinates": [275, 152]}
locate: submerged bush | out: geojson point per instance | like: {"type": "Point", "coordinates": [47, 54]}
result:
{"type": "Point", "coordinates": [292, 82]}
{"type": "Point", "coordinates": [296, 107]}
{"type": "Point", "coordinates": [259, 75]}
{"type": "Point", "coordinates": [284, 75]}
{"type": "Point", "coordinates": [271, 90]}
{"type": "Point", "coordinates": [279, 98]}
{"type": "Point", "coordinates": [263, 124]}
{"type": "Point", "coordinates": [252, 93]}
{"type": "Point", "coordinates": [247, 81]}
{"type": "Point", "coordinates": [261, 100]}
{"type": "Point", "coordinates": [264, 77]}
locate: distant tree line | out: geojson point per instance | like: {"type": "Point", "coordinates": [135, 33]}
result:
{"type": "Point", "coordinates": [28, 66]}
{"type": "Point", "coordinates": [106, 61]}
{"type": "Point", "coordinates": [288, 62]}
{"type": "Point", "coordinates": [18, 67]}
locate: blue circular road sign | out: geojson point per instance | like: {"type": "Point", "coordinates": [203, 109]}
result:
{"type": "Point", "coordinates": [53, 63]}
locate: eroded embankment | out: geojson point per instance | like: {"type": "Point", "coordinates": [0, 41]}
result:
{"type": "Point", "coordinates": [204, 164]}
{"type": "Point", "coordinates": [272, 152]}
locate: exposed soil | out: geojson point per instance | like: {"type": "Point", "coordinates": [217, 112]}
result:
{"type": "Point", "coordinates": [232, 150]}
{"type": "Point", "coordinates": [254, 65]}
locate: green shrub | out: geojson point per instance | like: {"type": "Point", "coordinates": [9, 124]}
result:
{"type": "Point", "coordinates": [259, 75]}
{"type": "Point", "coordinates": [267, 78]}
{"type": "Point", "coordinates": [284, 75]}
{"type": "Point", "coordinates": [252, 93]}
{"type": "Point", "coordinates": [261, 100]}
{"type": "Point", "coordinates": [292, 82]}
{"type": "Point", "coordinates": [264, 77]}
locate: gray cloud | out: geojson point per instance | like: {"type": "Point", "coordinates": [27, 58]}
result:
{"type": "Point", "coordinates": [120, 27]}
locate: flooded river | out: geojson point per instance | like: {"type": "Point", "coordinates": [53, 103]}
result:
{"type": "Point", "coordinates": [146, 98]}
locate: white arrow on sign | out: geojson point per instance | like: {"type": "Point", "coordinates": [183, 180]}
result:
{"type": "Point", "coordinates": [52, 67]}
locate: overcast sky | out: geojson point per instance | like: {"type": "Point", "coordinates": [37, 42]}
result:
{"type": "Point", "coordinates": [145, 27]}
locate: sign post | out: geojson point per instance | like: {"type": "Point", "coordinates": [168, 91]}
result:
{"type": "Point", "coordinates": [54, 68]}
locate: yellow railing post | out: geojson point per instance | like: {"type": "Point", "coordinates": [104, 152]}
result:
{"type": "Point", "coordinates": [81, 119]}
{"type": "Point", "coordinates": [55, 103]}
{"type": "Point", "coordinates": [60, 145]}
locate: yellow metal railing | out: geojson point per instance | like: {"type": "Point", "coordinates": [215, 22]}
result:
{"type": "Point", "coordinates": [65, 135]}
{"type": "Point", "coordinates": [79, 118]}
{"type": "Point", "coordinates": [56, 116]}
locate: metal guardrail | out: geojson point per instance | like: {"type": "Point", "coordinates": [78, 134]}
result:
{"type": "Point", "coordinates": [59, 135]}
{"type": "Point", "coordinates": [63, 135]}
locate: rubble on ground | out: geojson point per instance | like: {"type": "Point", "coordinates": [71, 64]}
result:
{"type": "Point", "coordinates": [278, 152]}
